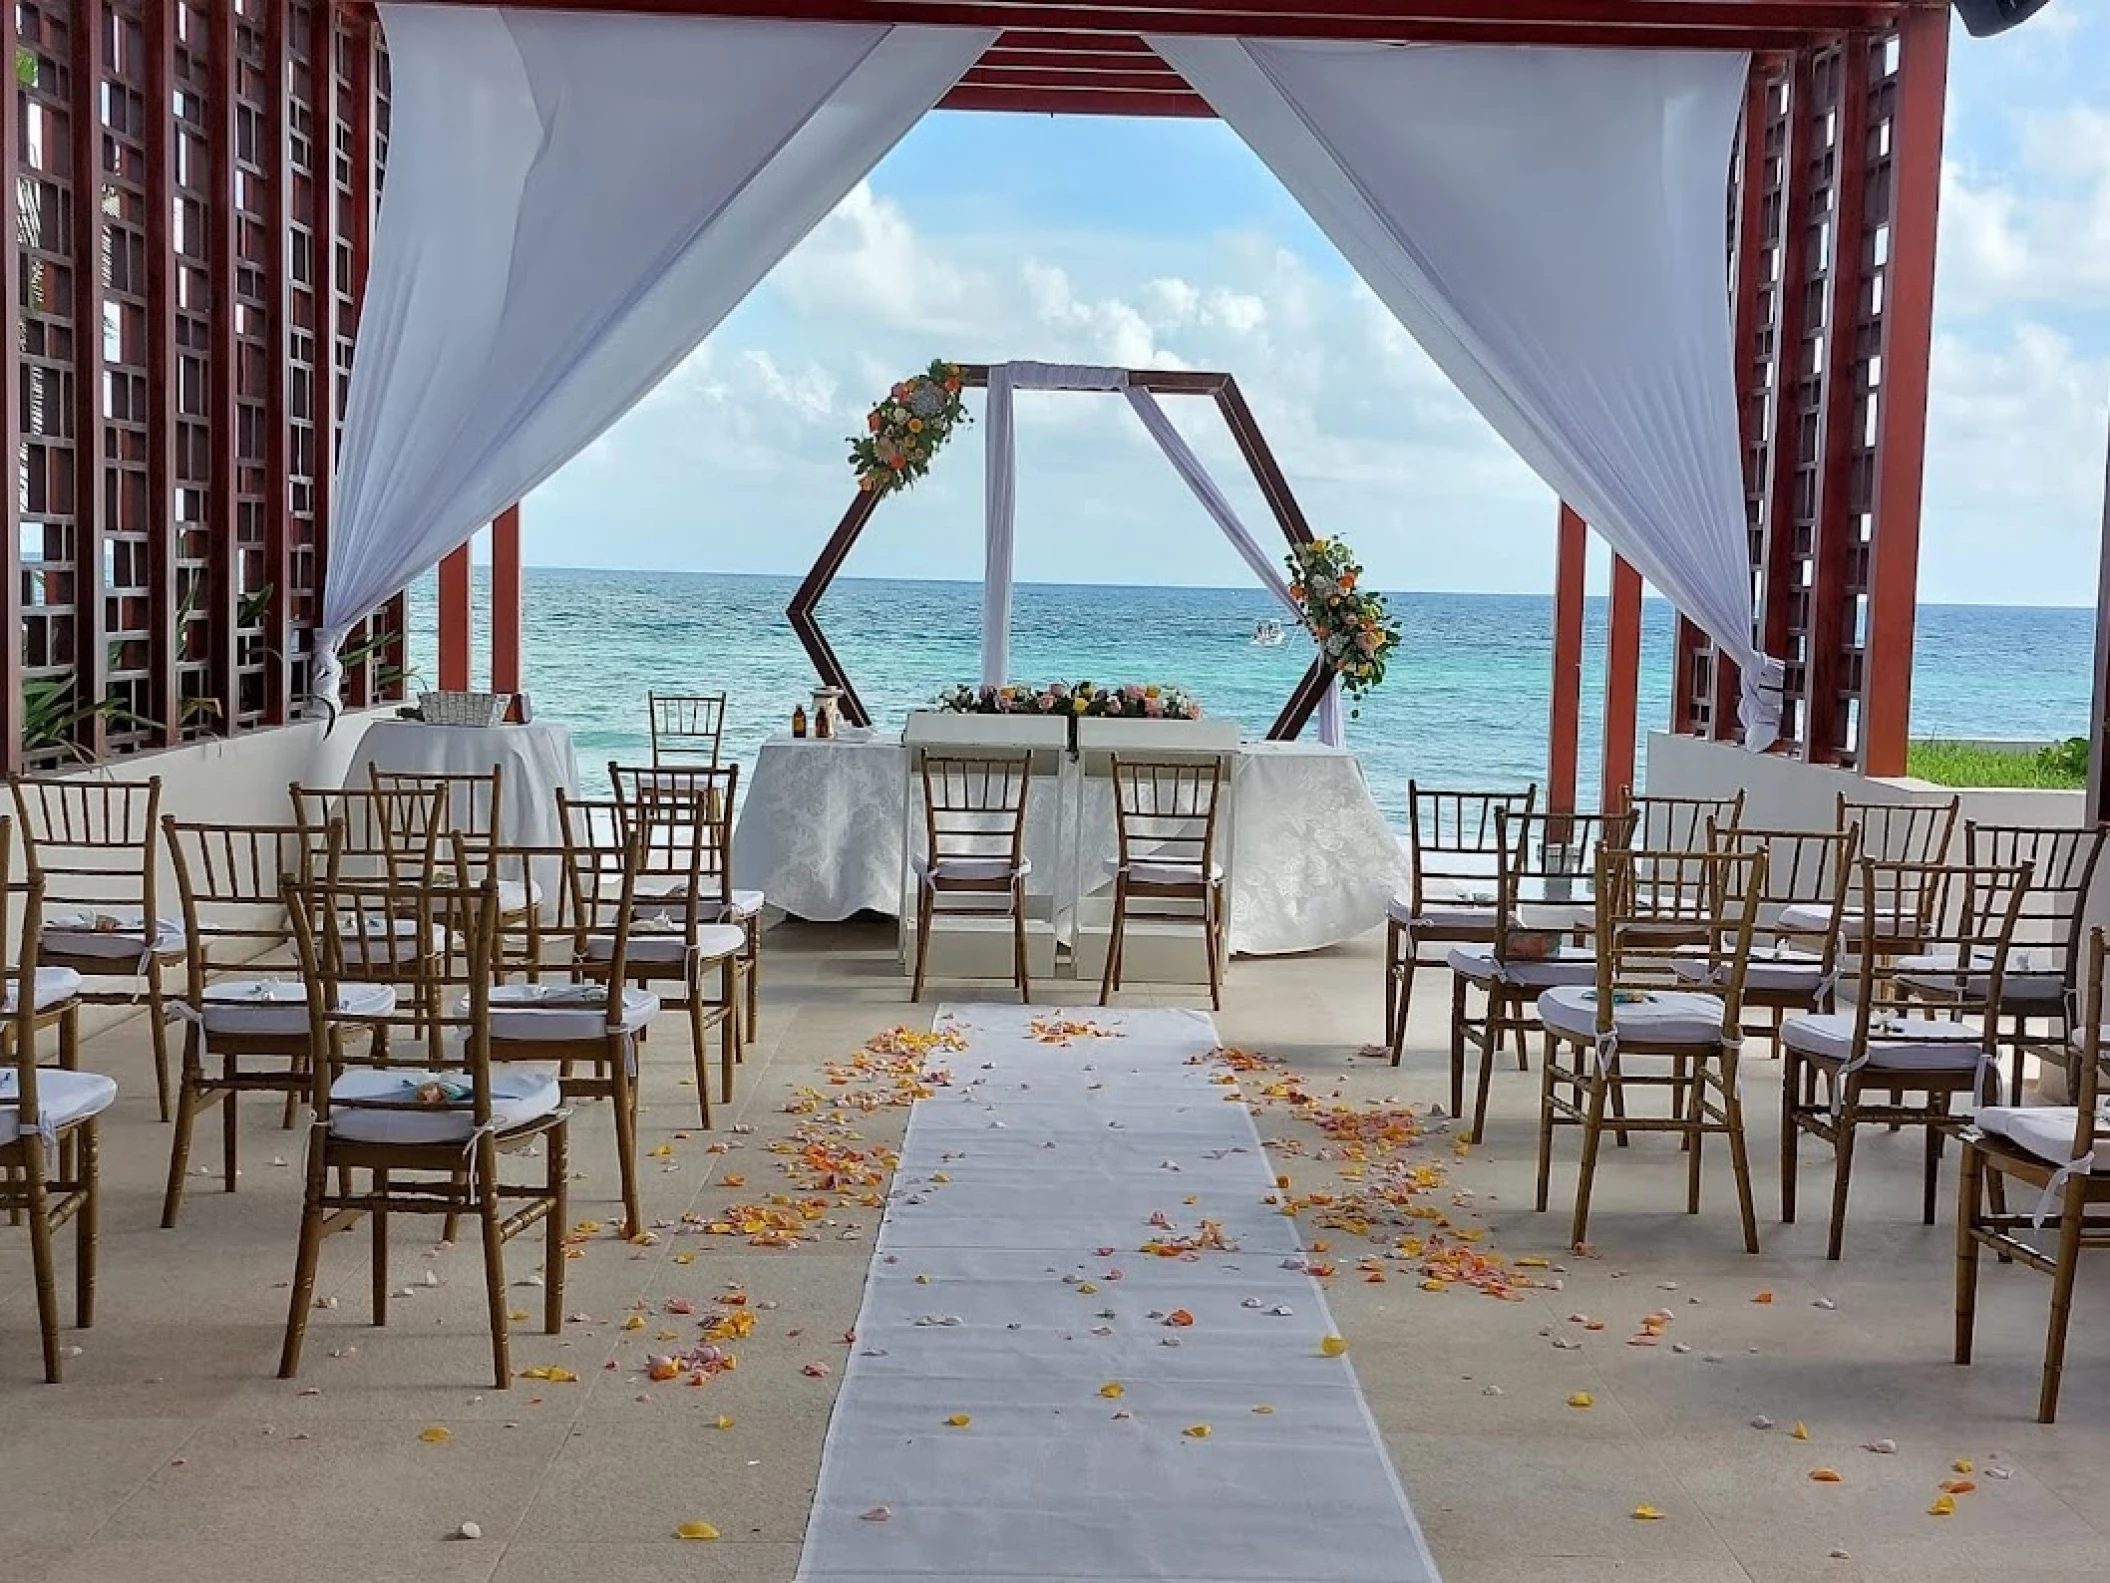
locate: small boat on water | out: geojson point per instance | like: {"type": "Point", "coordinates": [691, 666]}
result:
{"type": "Point", "coordinates": [1268, 634]}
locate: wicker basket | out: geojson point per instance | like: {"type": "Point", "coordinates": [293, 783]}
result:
{"type": "Point", "coordinates": [463, 709]}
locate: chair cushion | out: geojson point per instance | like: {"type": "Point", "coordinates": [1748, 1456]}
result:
{"type": "Point", "coordinates": [667, 896]}
{"type": "Point", "coordinates": [2044, 1130]}
{"type": "Point", "coordinates": [1465, 922]}
{"type": "Point", "coordinates": [1804, 917]}
{"type": "Point", "coordinates": [63, 1098]}
{"type": "Point", "coordinates": [280, 1005]}
{"type": "Point", "coordinates": [563, 1011]}
{"type": "Point", "coordinates": [1478, 963]}
{"type": "Point", "coordinates": [518, 1095]}
{"type": "Point", "coordinates": [115, 932]}
{"type": "Point", "coordinates": [1911, 1044]}
{"type": "Point", "coordinates": [517, 895]}
{"type": "Point", "coordinates": [1167, 873]}
{"type": "Point", "coordinates": [1780, 973]}
{"type": "Point", "coordinates": [1665, 1017]}
{"type": "Point", "coordinates": [392, 940]}
{"type": "Point", "coordinates": [664, 943]}
{"type": "Point", "coordinates": [53, 986]}
{"type": "Point", "coordinates": [1935, 972]}
{"type": "Point", "coordinates": [971, 868]}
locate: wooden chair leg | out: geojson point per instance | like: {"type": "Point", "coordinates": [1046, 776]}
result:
{"type": "Point", "coordinates": [158, 1032]}
{"type": "Point", "coordinates": [302, 1301]}
{"type": "Point", "coordinates": [380, 1254]}
{"type": "Point", "coordinates": [187, 1097]}
{"type": "Point", "coordinates": [1117, 931]}
{"type": "Point", "coordinates": [1739, 1147]}
{"type": "Point", "coordinates": [1393, 1030]}
{"type": "Point", "coordinates": [698, 1045]}
{"type": "Point", "coordinates": [1498, 1013]}
{"type": "Point", "coordinates": [1408, 962]}
{"type": "Point", "coordinates": [42, 1260]}
{"type": "Point", "coordinates": [1546, 1065]}
{"type": "Point", "coordinates": [1212, 944]}
{"type": "Point", "coordinates": [2062, 1279]}
{"type": "Point", "coordinates": [1970, 1204]}
{"type": "Point", "coordinates": [230, 1134]}
{"type": "Point", "coordinates": [626, 1141]}
{"type": "Point", "coordinates": [729, 1031]}
{"type": "Point", "coordinates": [1018, 941]}
{"type": "Point", "coordinates": [1458, 1043]}
{"type": "Point", "coordinates": [1843, 1166]}
{"type": "Point", "coordinates": [1790, 1130]}
{"type": "Point", "coordinates": [925, 897]}
{"type": "Point", "coordinates": [754, 975]}
{"type": "Point", "coordinates": [87, 1221]}
{"type": "Point", "coordinates": [1937, 1109]}
{"type": "Point", "coordinates": [557, 1184]}
{"type": "Point", "coordinates": [1602, 1080]}
{"type": "Point", "coordinates": [1696, 1135]}
{"type": "Point", "coordinates": [487, 1206]}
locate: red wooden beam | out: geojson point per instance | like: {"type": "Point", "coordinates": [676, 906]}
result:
{"type": "Point", "coordinates": [1622, 676]}
{"type": "Point", "coordinates": [1835, 532]}
{"type": "Point", "coordinates": [1075, 101]}
{"type": "Point", "coordinates": [456, 618]}
{"type": "Point", "coordinates": [506, 601]}
{"type": "Point", "coordinates": [1908, 336]}
{"type": "Point", "coordinates": [1053, 64]}
{"type": "Point", "coordinates": [165, 635]}
{"type": "Point", "coordinates": [223, 557]}
{"type": "Point", "coordinates": [324, 123]}
{"type": "Point", "coordinates": [1778, 589]}
{"type": "Point", "coordinates": [1564, 728]}
{"type": "Point", "coordinates": [276, 160]}
{"type": "Point", "coordinates": [11, 117]}
{"type": "Point", "coordinates": [91, 610]}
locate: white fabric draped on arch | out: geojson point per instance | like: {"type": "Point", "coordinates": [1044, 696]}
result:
{"type": "Point", "coordinates": [1002, 505]}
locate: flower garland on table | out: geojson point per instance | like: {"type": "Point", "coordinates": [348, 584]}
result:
{"type": "Point", "coordinates": [1356, 634]}
{"type": "Point", "coordinates": [906, 428]}
{"type": "Point", "coordinates": [1135, 701]}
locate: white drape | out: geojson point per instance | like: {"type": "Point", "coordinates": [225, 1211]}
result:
{"type": "Point", "coordinates": [1001, 461]}
{"type": "Point", "coordinates": [1548, 224]}
{"type": "Point", "coordinates": [573, 202]}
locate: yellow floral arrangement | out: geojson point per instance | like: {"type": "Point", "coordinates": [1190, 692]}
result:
{"type": "Point", "coordinates": [1356, 634]}
{"type": "Point", "coordinates": [905, 429]}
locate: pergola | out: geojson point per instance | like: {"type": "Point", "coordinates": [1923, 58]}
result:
{"type": "Point", "coordinates": [184, 319]}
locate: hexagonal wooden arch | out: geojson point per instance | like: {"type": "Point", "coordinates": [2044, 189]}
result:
{"type": "Point", "coordinates": [1252, 445]}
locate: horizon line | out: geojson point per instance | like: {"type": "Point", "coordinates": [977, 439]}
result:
{"type": "Point", "coordinates": [1649, 595]}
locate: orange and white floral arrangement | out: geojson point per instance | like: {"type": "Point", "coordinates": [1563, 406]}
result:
{"type": "Point", "coordinates": [904, 430]}
{"type": "Point", "coordinates": [1356, 634]}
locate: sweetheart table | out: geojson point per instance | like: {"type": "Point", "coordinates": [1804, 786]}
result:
{"type": "Point", "coordinates": [821, 824]}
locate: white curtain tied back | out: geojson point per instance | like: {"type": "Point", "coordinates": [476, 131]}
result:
{"type": "Point", "coordinates": [1548, 224]}
{"type": "Point", "coordinates": [1002, 506]}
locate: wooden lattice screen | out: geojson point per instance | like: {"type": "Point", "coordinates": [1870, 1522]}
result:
{"type": "Point", "coordinates": [193, 188]}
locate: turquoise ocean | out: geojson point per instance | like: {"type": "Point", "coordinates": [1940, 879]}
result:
{"type": "Point", "coordinates": [1466, 702]}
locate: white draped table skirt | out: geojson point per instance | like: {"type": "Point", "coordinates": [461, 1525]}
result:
{"type": "Point", "coordinates": [821, 829]}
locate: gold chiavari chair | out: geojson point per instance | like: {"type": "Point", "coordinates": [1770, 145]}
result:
{"type": "Point", "coordinates": [1792, 970]}
{"type": "Point", "coordinates": [1963, 914]}
{"type": "Point", "coordinates": [1545, 870]}
{"type": "Point", "coordinates": [1166, 870]}
{"type": "Point", "coordinates": [592, 1021]}
{"type": "Point", "coordinates": [1680, 824]}
{"type": "Point", "coordinates": [974, 827]}
{"type": "Point", "coordinates": [666, 879]}
{"type": "Point", "coordinates": [2062, 1152]}
{"type": "Point", "coordinates": [687, 728]}
{"type": "Point", "coordinates": [247, 1033]}
{"type": "Point", "coordinates": [1641, 1007]}
{"type": "Point", "coordinates": [2043, 964]}
{"type": "Point", "coordinates": [678, 827]}
{"type": "Point", "coordinates": [391, 842]}
{"type": "Point", "coordinates": [49, 1161]}
{"type": "Point", "coordinates": [471, 807]}
{"type": "Point", "coordinates": [96, 843]}
{"type": "Point", "coordinates": [428, 1129]}
{"type": "Point", "coordinates": [1454, 842]}
{"type": "Point", "coordinates": [1916, 832]}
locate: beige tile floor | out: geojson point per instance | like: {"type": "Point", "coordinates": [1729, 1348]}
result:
{"type": "Point", "coordinates": [172, 1452]}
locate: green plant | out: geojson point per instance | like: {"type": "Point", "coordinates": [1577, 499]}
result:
{"type": "Point", "coordinates": [2057, 768]}
{"type": "Point", "coordinates": [2068, 759]}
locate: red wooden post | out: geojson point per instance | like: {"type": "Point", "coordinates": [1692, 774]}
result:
{"type": "Point", "coordinates": [455, 621]}
{"type": "Point", "coordinates": [91, 610]}
{"type": "Point", "coordinates": [1564, 730]}
{"type": "Point", "coordinates": [11, 710]}
{"type": "Point", "coordinates": [164, 535]}
{"type": "Point", "coordinates": [1622, 677]}
{"type": "Point", "coordinates": [223, 559]}
{"type": "Point", "coordinates": [505, 601]}
{"type": "Point", "coordinates": [275, 158]}
{"type": "Point", "coordinates": [1901, 442]}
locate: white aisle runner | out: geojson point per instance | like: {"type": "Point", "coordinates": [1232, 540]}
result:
{"type": "Point", "coordinates": [1023, 1188]}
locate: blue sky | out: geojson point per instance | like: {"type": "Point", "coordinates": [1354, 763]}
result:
{"type": "Point", "coordinates": [991, 237]}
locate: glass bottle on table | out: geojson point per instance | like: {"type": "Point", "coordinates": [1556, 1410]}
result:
{"type": "Point", "coordinates": [798, 720]}
{"type": "Point", "coordinates": [824, 722]}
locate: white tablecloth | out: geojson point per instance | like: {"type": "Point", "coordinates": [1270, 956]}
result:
{"type": "Point", "coordinates": [820, 833]}
{"type": "Point", "coordinates": [533, 760]}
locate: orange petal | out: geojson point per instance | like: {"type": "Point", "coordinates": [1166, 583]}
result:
{"type": "Point", "coordinates": [1957, 1486]}
{"type": "Point", "coordinates": [1763, 1297]}
{"type": "Point", "coordinates": [1826, 1476]}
